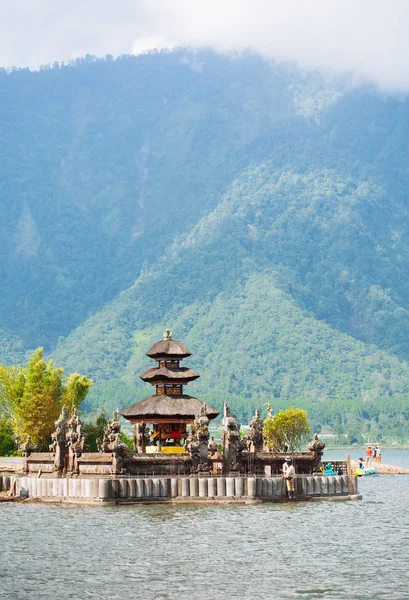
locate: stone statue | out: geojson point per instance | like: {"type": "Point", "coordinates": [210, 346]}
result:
{"type": "Point", "coordinates": [198, 444]}
{"type": "Point", "coordinates": [255, 435]}
{"type": "Point", "coordinates": [28, 447]}
{"type": "Point", "coordinates": [141, 437]}
{"type": "Point", "coordinates": [269, 410]}
{"type": "Point", "coordinates": [317, 448]}
{"type": "Point", "coordinates": [75, 441]}
{"type": "Point", "coordinates": [112, 436]}
{"type": "Point", "coordinates": [167, 335]}
{"type": "Point", "coordinates": [232, 442]}
{"type": "Point", "coordinates": [112, 443]}
{"type": "Point", "coordinates": [59, 441]}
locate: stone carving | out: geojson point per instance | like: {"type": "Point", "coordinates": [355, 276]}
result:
{"type": "Point", "coordinates": [198, 444]}
{"type": "Point", "coordinates": [141, 437]}
{"type": "Point", "coordinates": [233, 445]}
{"type": "Point", "coordinates": [317, 447]}
{"type": "Point", "coordinates": [59, 441]}
{"type": "Point", "coordinates": [255, 434]}
{"type": "Point", "coordinates": [112, 436]}
{"type": "Point", "coordinates": [112, 443]}
{"type": "Point", "coordinates": [75, 441]}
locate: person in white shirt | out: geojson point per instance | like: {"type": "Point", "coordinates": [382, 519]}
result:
{"type": "Point", "coordinates": [285, 465]}
{"type": "Point", "coordinates": [289, 476]}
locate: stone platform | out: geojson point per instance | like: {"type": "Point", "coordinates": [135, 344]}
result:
{"type": "Point", "coordinates": [178, 489]}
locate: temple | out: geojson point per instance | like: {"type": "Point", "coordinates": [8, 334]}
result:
{"type": "Point", "coordinates": [174, 458]}
{"type": "Point", "coordinates": [169, 410]}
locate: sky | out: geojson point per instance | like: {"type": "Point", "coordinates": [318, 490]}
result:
{"type": "Point", "coordinates": [369, 38]}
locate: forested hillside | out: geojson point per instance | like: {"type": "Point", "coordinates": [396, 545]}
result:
{"type": "Point", "coordinates": [259, 212]}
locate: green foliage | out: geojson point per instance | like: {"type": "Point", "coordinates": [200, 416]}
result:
{"type": "Point", "coordinates": [128, 441]}
{"type": "Point", "coordinates": [32, 397]}
{"type": "Point", "coordinates": [95, 430]}
{"type": "Point", "coordinates": [259, 212]}
{"type": "Point", "coordinates": [7, 441]}
{"type": "Point", "coordinates": [286, 430]}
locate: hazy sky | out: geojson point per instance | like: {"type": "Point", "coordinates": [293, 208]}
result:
{"type": "Point", "coordinates": [368, 37]}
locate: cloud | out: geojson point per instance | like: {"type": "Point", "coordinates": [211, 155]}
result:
{"type": "Point", "coordinates": [367, 37]}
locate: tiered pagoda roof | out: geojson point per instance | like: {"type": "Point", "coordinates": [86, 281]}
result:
{"type": "Point", "coordinates": [168, 407]}
{"type": "Point", "coordinates": [169, 403]}
{"type": "Point", "coordinates": [163, 374]}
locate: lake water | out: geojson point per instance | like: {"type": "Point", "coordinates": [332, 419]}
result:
{"type": "Point", "coordinates": [346, 550]}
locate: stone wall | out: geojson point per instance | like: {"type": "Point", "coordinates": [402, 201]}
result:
{"type": "Point", "coordinates": [178, 489]}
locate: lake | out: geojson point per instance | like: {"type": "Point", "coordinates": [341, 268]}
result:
{"type": "Point", "coordinates": [348, 550]}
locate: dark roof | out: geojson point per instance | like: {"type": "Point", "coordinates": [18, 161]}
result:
{"type": "Point", "coordinates": [181, 407]}
{"type": "Point", "coordinates": [165, 374]}
{"type": "Point", "coordinates": [169, 348]}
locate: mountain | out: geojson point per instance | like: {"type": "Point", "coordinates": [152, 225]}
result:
{"type": "Point", "coordinates": [258, 211]}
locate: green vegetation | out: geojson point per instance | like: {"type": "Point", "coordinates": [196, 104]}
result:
{"type": "Point", "coordinates": [258, 212]}
{"type": "Point", "coordinates": [31, 398]}
{"type": "Point", "coordinates": [286, 430]}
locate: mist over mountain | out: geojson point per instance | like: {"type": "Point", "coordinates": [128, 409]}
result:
{"type": "Point", "coordinates": [258, 211]}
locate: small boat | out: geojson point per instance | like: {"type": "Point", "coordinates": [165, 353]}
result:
{"type": "Point", "coordinates": [366, 471]}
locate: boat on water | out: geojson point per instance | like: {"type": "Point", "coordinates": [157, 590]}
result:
{"type": "Point", "coordinates": [366, 471]}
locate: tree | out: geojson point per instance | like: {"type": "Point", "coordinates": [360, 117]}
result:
{"type": "Point", "coordinates": [32, 397]}
{"type": "Point", "coordinates": [286, 430]}
{"type": "Point", "coordinates": [7, 445]}
{"type": "Point", "coordinates": [93, 431]}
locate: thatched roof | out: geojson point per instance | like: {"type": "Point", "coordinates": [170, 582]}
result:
{"type": "Point", "coordinates": [172, 375]}
{"type": "Point", "coordinates": [168, 349]}
{"type": "Point", "coordinates": [179, 407]}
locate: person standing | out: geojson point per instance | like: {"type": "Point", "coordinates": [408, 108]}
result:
{"type": "Point", "coordinates": [368, 454]}
{"type": "Point", "coordinates": [289, 477]}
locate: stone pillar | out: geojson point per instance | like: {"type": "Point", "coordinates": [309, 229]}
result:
{"type": "Point", "coordinates": [163, 487]}
{"type": "Point", "coordinates": [140, 488]}
{"type": "Point", "coordinates": [259, 487]}
{"type": "Point", "coordinates": [324, 485]}
{"type": "Point", "coordinates": [103, 489]}
{"type": "Point", "coordinates": [50, 487]}
{"type": "Point", "coordinates": [239, 486]}
{"type": "Point", "coordinates": [230, 486]}
{"type": "Point", "coordinates": [155, 487]}
{"type": "Point", "coordinates": [203, 488]}
{"type": "Point", "coordinates": [211, 487]}
{"type": "Point", "coordinates": [23, 490]}
{"type": "Point", "coordinates": [281, 488]}
{"type": "Point", "coordinates": [194, 487]}
{"type": "Point", "coordinates": [338, 484]}
{"type": "Point", "coordinates": [331, 485]}
{"type": "Point", "coordinates": [264, 491]}
{"type": "Point", "coordinates": [148, 488]}
{"type": "Point", "coordinates": [345, 484]}
{"type": "Point", "coordinates": [174, 487]}
{"type": "Point", "coordinates": [251, 487]}
{"type": "Point", "coordinates": [6, 483]}
{"type": "Point", "coordinates": [132, 488]}
{"type": "Point", "coordinates": [317, 484]}
{"type": "Point", "coordinates": [309, 486]}
{"type": "Point", "coordinates": [221, 486]}
{"type": "Point", "coordinates": [185, 487]}
{"type": "Point", "coordinates": [123, 488]}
